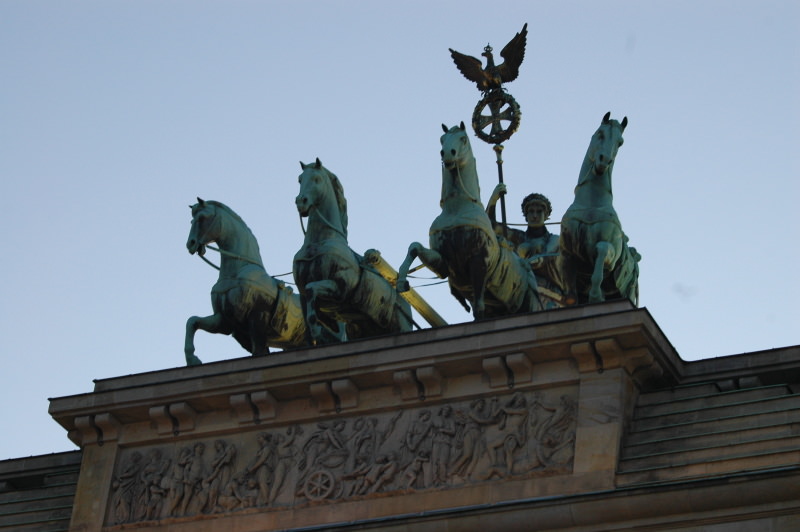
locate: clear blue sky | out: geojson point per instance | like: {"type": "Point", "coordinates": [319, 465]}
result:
{"type": "Point", "coordinates": [114, 116]}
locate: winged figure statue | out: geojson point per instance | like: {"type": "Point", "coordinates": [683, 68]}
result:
{"type": "Point", "coordinates": [493, 76]}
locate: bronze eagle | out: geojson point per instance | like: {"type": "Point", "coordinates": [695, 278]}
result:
{"type": "Point", "coordinates": [493, 76]}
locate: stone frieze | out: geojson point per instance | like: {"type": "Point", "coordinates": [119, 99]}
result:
{"type": "Point", "coordinates": [435, 447]}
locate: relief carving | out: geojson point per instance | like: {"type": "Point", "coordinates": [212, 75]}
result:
{"type": "Point", "coordinates": [440, 447]}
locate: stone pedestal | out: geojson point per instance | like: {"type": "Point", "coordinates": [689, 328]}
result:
{"type": "Point", "coordinates": [477, 419]}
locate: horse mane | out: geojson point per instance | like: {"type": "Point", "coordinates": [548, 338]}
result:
{"type": "Point", "coordinates": [233, 215]}
{"type": "Point", "coordinates": [341, 201]}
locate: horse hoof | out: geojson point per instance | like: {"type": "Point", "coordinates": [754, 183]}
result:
{"type": "Point", "coordinates": [192, 360]}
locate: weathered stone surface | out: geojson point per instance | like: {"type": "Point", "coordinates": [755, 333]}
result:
{"type": "Point", "coordinates": [542, 418]}
{"type": "Point", "coordinates": [36, 493]}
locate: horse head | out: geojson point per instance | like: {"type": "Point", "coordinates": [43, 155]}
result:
{"type": "Point", "coordinates": [321, 191]}
{"type": "Point", "coordinates": [459, 173]}
{"type": "Point", "coordinates": [605, 143]}
{"type": "Point", "coordinates": [456, 150]}
{"type": "Point", "coordinates": [204, 229]}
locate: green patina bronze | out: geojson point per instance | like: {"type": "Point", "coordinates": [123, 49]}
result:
{"type": "Point", "coordinates": [255, 308]}
{"type": "Point", "coordinates": [464, 248]}
{"type": "Point", "coordinates": [343, 297]}
{"type": "Point", "coordinates": [536, 244]}
{"type": "Point", "coordinates": [497, 107]}
{"type": "Point", "coordinates": [596, 261]}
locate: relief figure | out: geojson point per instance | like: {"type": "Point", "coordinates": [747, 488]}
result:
{"type": "Point", "coordinates": [125, 489]}
{"type": "Point", "coordinates": [176, 485]}
{"type": "Point", "coordinates": [221, 471]}
{"type": "Point", "coordinates": [444, 432]}
{"type": "Point", "coordinates": [286, 453]}
{"type": "Point", "coordinates": [507, 434]}
{"type": "Point", "coordinates": [194, 495]}
{"type": "Point", "coordinates": [262, 467]}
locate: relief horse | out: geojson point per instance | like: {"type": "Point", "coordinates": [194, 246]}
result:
{"type": "Point", "coordinates": [596, 262]}
{"type": "Point", "coordinates": [255, 308]}
{"type": "Point", "coordinates": [464, 248]}
{"type": "Point", "coordinates": [343, 297]}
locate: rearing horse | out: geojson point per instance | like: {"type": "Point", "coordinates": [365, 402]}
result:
{"type": "Point", "coordinates": [258, 310]}
{"type": "Point", "coordinates": [464, 248]}
{"type": "Point", "coordinates": [342, 296]}
{"type": "Point", "coordinates": [596, 261]}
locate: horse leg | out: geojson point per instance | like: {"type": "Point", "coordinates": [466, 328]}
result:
{"type": "Point", "coordinates": [316, 326]}
{"type": "Point", "coordinates": [435, 262]}
{"type": "Point", "coordinates": [429, 257]}
{"type": "Point", "coordinates": [306, 309]}
{"type": "Point", "coordinates": [460, 298]}
{"type": "Point", "coordinates": [402, 273]}
{"type": "Point", "coordinates": [567, 263]}
{"type": "Point", "coordinates": [569, 276]}
{"type": "Point", "coordinates": [477, 273]}
{"type": "Point", "coordinates": [603, 261]}
{"type": "Point", "coordinates": [259, 341]}
{"type": "Point", "coordinates": [211, 324]}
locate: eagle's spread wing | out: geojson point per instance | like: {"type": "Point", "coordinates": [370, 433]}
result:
{"type": "Point", "coordinates": [470, 67]}
{"type": "Point", "coordinates": [513, 53]}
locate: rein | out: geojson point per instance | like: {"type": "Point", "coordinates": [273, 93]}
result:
{"type": "Point", "coordinates": [227, 254]}
{"type": "Point", "coordinates": [526, 225]}
{"type": "Point", "coordinates": [462, 186]}
{"type": "Point", "coordinates": [325, 222]}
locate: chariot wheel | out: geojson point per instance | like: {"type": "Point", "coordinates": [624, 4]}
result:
{"type": "Point", "coordinates": [319, 485]}
{"type": "Point", "coordinates": [498, 112]}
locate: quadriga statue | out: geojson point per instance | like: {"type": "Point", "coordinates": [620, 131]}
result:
{"type": "Point", "coordinates": [257, 309]}
{"type": "Point", "coordinates": [342, 296]}
{"type": "Point", "coordinates": [463, 246]}
{"type": "Point", "coordinates": [596, 262]}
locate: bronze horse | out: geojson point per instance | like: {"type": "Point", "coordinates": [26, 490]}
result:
{"type": "Point", "coordinates": [342, 296]}
{"type": "Point", "coordinates": [258, 310]}
{"type": "Point", "coordinates": [464, 248]}
{"type": "Point", "coordinates": [596, 262]}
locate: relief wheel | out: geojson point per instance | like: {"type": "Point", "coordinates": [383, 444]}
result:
{"type": "Point", "coordinates": [319, 485]}
{"type": "Point", "coordinates": [502, 118]}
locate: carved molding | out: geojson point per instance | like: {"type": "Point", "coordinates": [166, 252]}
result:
{"type": "Point", "coordinates": [184, 416]}
{"type": "Point", "coordinates": [253, 408]}
{"type": "Point", "coordinates": [323, 396]}
{"type": "Point", "coordinates": [431, 380]}
{"type": "Point", "coordinates": [334, 396]}
{"type": "Point", "coordinates": [243, 408]}
{"type": "Point", "coordinates": [85, 430]}
{"type": "Point", "coordinates": [521, 366]}
{"type": "Point", "coordinates": [162, 420]}
{"type": "Point", "coordinates": [410, 387]}
{"type": "Point", "coordinates": [508, 370]}
{"type": "Point", "coordinates": [587, 357]}
{"type": "Point", "coordinates": [109, 427]}
{"type": "Point", "coordinates": [174, 418]}
{"type": "Point", "coordinates": [99, 428]}
{"type": "Point", "coordinates": [266, 405]}
{"type": "Point", "coordinates": [419, 384]}
{"type": "Point", "coordinates": [346, 393]}
{"type": "Point", "coordinates": [498, 372]}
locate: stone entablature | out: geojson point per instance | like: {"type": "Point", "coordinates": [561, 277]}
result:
{"type": "Point", "coordinates": [471, 414]}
